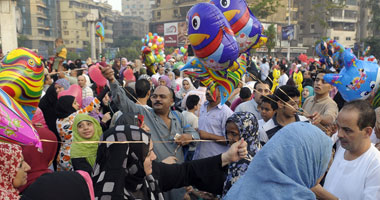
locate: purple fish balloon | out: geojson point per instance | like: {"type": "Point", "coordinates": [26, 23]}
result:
{"type": "Point", "coordinates": [211, 37]}
{"type": "Point", "coordinates": [247, 28]}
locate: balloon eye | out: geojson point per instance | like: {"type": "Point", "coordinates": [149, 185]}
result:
{"type": "Point", "coordinates": [196, 22]}
{"type": "Point", "coordinates": [363, 94]}
{"type": "Point", "coordinates": [225, 3]}
{"type": "Point", "coordinates": [372, 84]}
{"type": "Point", "coordinates": [31, 62]}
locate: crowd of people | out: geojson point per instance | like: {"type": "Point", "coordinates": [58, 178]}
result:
{"type": "Point", "coordinates": [165, 136]}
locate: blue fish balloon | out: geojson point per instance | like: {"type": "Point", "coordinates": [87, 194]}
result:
{"type": "Point", "coordinates": [211, 37]}
{"type": "Point", "coordinates": [247, 28]}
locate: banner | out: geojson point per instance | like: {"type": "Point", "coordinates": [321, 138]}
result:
{"type": "Point", "coordinates": [182, 33]}
{"type": "Point", "coordinates": [170, 40]}
{"type": "Point", "coordinates": [171, 28]}
{"type": "Point", "coordinates": [288, 32]}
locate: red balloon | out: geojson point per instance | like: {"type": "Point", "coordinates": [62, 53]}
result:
{"type": "Point", "coordinates": [75, 91]}
{"type": "Point", "coordinates": [96, 75]}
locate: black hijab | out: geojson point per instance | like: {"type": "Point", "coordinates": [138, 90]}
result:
{"type": "Point", "coordinates": [64, 107]}
{"type": "Point", "coordinates": [58, 186]}
{"type": "Point", "coordinates": [47, 105]}
{"type": "Point", "coordinates": [119, 168]}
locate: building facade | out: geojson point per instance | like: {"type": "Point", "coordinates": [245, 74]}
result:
{"type": "Point", "coordinates": [38, 25]}
{"type": "Point", "coordinates": [129, 26]}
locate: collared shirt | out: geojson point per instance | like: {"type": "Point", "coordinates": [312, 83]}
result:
{"type": "Point", "coordinates": [214, 122]}
{"type": "Point", "coordinates": [87, 92]}
{"type": "Point", "coordinates": [158, 128]}
{"type": "Point", "coordinates": [249, 106]}
{"type": "Point", "coordinates": [325, 107]}
{"type": "Point", "coordinates": [272, 126]}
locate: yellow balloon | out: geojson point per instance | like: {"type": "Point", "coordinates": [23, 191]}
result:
{"type": "Point", "coordinates": [154, 46]}
{"type": "Point", "coordinates": [159, 39]}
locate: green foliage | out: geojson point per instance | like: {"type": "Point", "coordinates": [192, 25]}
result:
{"type": "Point", "coordinates": [129, 47]}
{"type": "Point", "coordinates": [374, 42]}
{"type": "Point", "coordinates": [264, 8]}
{"type": "Point", "coordinates": [271, 34]}
{"type": "Point", "coordinates": [72, 55]}
{"type": "Point", "coordinates": [374, 24]}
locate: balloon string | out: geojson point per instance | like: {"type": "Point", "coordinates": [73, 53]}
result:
{"type": "Point", "coordinates": [127, 142]}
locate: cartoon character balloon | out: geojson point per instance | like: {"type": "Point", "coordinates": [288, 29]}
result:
{"type": "Point", "coordinates": [100, 30]}
{"type": "Point", "coordinates": [331, 52]}
{"type": "Point", "coordinates": [211, 37]}
{"type": "Point", "coordinates": [276, 76]}
{"type": "Point", "coordinates": [247, 28]}
{"type": "Point", "coordinates": [22, 77]}
{"type": "Point", "coordinates": [357, 79]}
{"type": "Point", "coordinates": [298, 78]}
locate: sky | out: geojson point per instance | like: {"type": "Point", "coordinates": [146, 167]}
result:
{"type": "Point", "coordinates": [116, 4]}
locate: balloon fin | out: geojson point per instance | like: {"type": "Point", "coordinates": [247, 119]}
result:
{"type": "Point", "coordinates": [333, 79]}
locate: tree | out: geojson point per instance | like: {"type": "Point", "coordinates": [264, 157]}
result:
{"type": "Point", "coordinates": [264, 8]}
{"type": "Point", "coordinates": [323, 9]}
{"type": "Point", "coordinates": [374, 43]}
{"type": "Point", "coordinates": [130, 47]}
{"type": "Point", "coordinates": [374, 24]}
{"type": "Point", "coordinates": [271, 34]}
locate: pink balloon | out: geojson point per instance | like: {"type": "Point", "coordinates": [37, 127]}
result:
{"type": "Point", "coordinates": [128, 75]}
{"type": "Point", "coordinates": [96, 75]}
{"type": "Point", "coordinates": [75, 91]}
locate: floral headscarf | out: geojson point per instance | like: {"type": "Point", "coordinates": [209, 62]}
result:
{"type": "Point", "coordinates": [63, 82]}
{"type": "Point", "coordinates": [10, 161]}
{"type": "Point", "coordinates": [87, 101]}
{"type": "Point", "coordinates": [248, 128]}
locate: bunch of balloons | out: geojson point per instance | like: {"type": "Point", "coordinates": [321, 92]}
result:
{"type": "Point", "coordinates": [21, 84]}
{"type": "Point", "coordinates": [152, 50]}
{"type": "Point", "coordinates": [331, 53]}
{"type": "Point", "coordinates": [218, 33]}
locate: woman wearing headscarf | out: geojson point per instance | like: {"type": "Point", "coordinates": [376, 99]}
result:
{"type": "Point", "coordinates": [291, 163]}
{"type": "Point", "coordinates": [128, 171]}
{"type": "Point", "coordinates": [187, 86]}
{"type": "Point", "coordinates": [67, 108]}
{"type": "Point", "coordinates": [174, 85]}
{"type": "Point", "coordinates": [307, 91]}
{"type": "Point", "coordinates": [12, 171]}
{"type": "Point", "coordinates": [85, 128]}
{"type": "Point", "coordinates": [39, 161]}
{"type": "Point", "coordinates": [61, 186]}
{"type": "Point", "coordinates": [241, 125]}
{"type": "Point", "coordinates": [61, 85]}
{"type": "Point", "coordinates": [96, 113]}
{"type": "Point", "coordinates": [165, 81]}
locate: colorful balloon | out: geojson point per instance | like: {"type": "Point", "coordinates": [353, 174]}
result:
{"type": "Point", "coordinates": [357, 79]}
{"type": "Point", "coordinates": [15, 126]}
{"type": "Point", "coordinates": [100, 30]}
{"type": "Point", "coordinates": [276, 77]}
{"type": "Point", "coordinates": [247, 28]}
{"type": "Point", "coordinates": [211, 37]}
{"type": "Point", "coordinates": [22, 77]}
{"type": "Point", "coordinates": [75, 91]}
{"type": "Point", "coordinates": [96, 75]}
{"type": "Point", "coordinates": [298, 78]}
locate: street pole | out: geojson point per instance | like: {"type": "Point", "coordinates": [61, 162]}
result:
{"type": "Point", "coordinates": [92, 39]}
{"type": "Point", "coordinates": [100, 48]}
{"type": "Point", "coordinates": [288, 54]}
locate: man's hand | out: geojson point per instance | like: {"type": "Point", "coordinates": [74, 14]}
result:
{"type": "Point", "coordinates": [170, 160]}
{"type": "Point", "coordinates": [106, 117]}
{"type": "Point", "coordinates": [316, 118]}
{"type": "Point", "coordinates": [108, 73]}
{"type": "Point", "coordinates": [237, 151]}
{"type": "Point", "coordinates": [183, 139]}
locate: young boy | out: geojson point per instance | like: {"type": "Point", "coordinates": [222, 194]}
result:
{"type": "Point", "coordinates": [268, 107]}
{"type": "Point", "coordinates": [60, 55]}
{"type": "Point", "coordinates": [192, 120]}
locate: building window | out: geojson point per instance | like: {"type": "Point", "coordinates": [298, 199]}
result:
{"type": "Point", "coordinates": [65, 23]}
{"type": "Point", "coordinates": [348, 38]}
{"type": "Point", "coordinates": [350, 14]}
{"type": "Point", "coordinates": [158, 14]}
{"type": "Point", "coordinates": [141, 13]}
{"type": "Point", "coordinates": [351, 2]}
{"type": "Point", "coordinates": [66, 32]}
{"type": "Point", "coordinates": [336, 38]}
{"type": "Point", "coordinates": [141, 6]}
{"type": "Point", "coordinates": [72, 42]}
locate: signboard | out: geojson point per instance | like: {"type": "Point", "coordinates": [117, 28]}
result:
{"type": "Point", "coordinates": [288, 32]}
{"type": "Point", "coordinates": [182, 33]}
{"type": "Point", "coordinates": [160, 28]}
{"type": "Point", "coordinates": [170, 40]}
{"type": "Point", "coordinates": [171, 28]}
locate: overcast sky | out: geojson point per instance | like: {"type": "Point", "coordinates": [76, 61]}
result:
{"type": "Point", "coordinates": [116, 4]}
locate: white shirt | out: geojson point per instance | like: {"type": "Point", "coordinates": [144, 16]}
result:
{"type": "Point", "coordinates": [190, 118]}
{"type": "Point", "coordinates": [357, 179]}
{"type": "Point", "coordinates": [264, 71]}
{"type": "Point", "coordinates": [283, 80]}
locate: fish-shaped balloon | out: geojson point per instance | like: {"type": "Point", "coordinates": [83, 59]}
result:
{"type": "Point", "coordinates": [211, 37]}
{"type": "Point", "coordinates": [100, 30]}
{"type": "Point", "coordinates": [357, 79]}
{"type": "Point", "coordinates": [247, 28]}
{"type": "Point", "coordinates": [22, 77]}
{"type": "Point", "coordinates": [226, 80]}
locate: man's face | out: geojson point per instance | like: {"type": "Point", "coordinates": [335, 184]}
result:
{"type": "Point", "coordinates": [161, 71]}
{"type": "Point", "coordinates": [320, 86]}
{"type": "Point", "coordinates": [81, 81]}
{"type": "Point", "coordinates": [161, 99]}
{"type": "Point", "coordinates": [290, 108]}
{"type": "Point", "coordinates": [209, 95]}
{"type": "Point", "coordinates": [350, 136]}
{"type": "Point", "coordinates": [261, 89]}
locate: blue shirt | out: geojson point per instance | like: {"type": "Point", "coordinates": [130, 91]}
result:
{"type": "Point", "coordinates": [249, 106]}
{"type": "Point", "coordinates": [213, 121]}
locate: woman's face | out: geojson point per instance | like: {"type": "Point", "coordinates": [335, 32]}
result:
{"type": "Point", "coordinates": [162, 82]}
{"type": "Point", "coordinates": [76, 105]}
{"type": "Point", "coordinates": [86, 129]}
{"type": "Point", "coordinates": [21, 176]}
{"type": "Point", "coordinates": [58, 88]}
{"type": "Point", "coordinates": [148, 160]}
{"type": "Point", "coordinates": [306, 75]}
{"type": "Point", "coordinates": [48, 80]}
{"type": "Point", "coordinates": [305, 93]}
{"type": "Point", "coordinates": [123, 62]}
{"type": "Point", "coordinates": [186, 85]}
{"type": "Point", "coordinates": [233, 133]}
{"type": "Point", "coordinates": [170, 76]}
